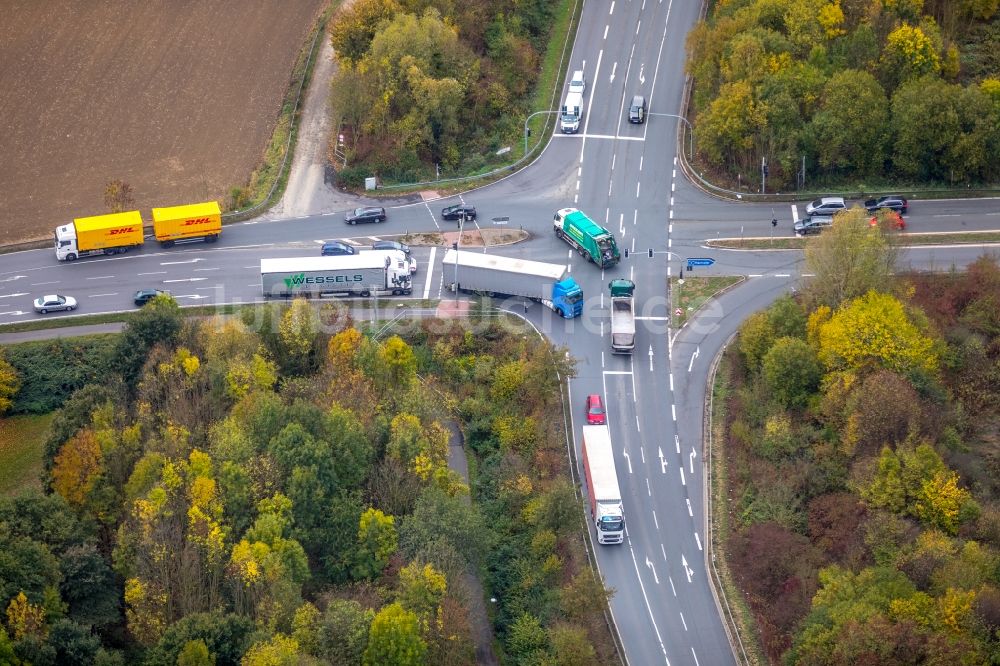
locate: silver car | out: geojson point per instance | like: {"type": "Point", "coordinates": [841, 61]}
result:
{"type": "Point", "coordinates": [54, 303]}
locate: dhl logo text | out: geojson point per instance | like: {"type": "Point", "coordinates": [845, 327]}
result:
{"type": "Point", "coordinates": [117, 232]}
{"type": "Point", "coordinates": [198, 220]}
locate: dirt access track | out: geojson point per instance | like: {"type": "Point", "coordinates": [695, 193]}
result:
{"type": "Point", "coordinates": [178, 99]}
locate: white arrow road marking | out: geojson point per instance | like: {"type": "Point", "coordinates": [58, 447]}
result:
{"type": "Point", "coordinates": [653, 569]}
{"type": "Point", "coordinates": [629, 460]}
{"type": "Point", "coordinates": [194, 296]}
{"type": "Point", "coordinates": [13, 277]}
{"type": "Point", "coordinates": [677, 443]}
{"type": "Point", "coordinates": [691, 459]}
{"type": "Point", "coordinates": [688, 500]}
{"type": "Point", "coordinates": [187, 261]}
{"type": "Point", "coordinates": [613, 69]}
{"type": "Point", "coordinates": [697, 350]}
{"type": "Point", "coordinates": [14, 313]}
{"type": "Point", "coordinates": [650, 358]}
{"type": "Point", "coordinates": [663, 463]}
{"type": "Point", "coordinates": [688, 570]}
{"type": "Point", "coordinates": [642, 79]}
{"type": "Point", "coordinates": [23, 293]}
{"type": "Point", "coordinates": [186, 280]}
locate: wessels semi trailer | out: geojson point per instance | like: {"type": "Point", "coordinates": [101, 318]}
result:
{"type": "Point", "coordinates": [361, 274]}
{"type": "Point", "coordinates": [493, 275]}
{"type": "Point", "coordinates": [590, 239]}
{"type": "Point", "coordinates": [117, 232]}
{"type": "Point", "coordinates": [100, 234]}
{"type": "Point", "coordinates": [602, 485]}
{"type": "Point", "coordinates": [622, 316]}
{"type": "Point", "coordinates": [193, 221]}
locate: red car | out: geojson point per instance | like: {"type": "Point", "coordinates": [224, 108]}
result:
{"type": "Point", "coordinates": [893, 220]}
{"type": "Point", "coordinates": [595, 410]}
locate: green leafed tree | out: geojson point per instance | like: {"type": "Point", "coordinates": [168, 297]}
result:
{"type": "Point", "coordinates": [395, 639]}
{"type": "Point", "coordinates": [848, 260]}
{"type": "Point", "coordinates": [791, 371]}
{"type": "Point", "coordinates": [851, 127]}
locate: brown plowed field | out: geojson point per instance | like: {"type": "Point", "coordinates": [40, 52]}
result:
{"type": "Point", "coordinates": [176, 98]}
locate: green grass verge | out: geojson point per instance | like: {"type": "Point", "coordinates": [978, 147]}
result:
{"type": "Point", "coordinates": [734, 600]}
{"type": "Point", "coordinates": [22, 443]}
{"type": "Point", "coordinates": [798, 243]}
{"type": "Point", "coordinates": [694, 293]}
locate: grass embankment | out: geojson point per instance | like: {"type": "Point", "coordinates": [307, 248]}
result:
{"type": "Point", "coordinates": [798, 243]}
{"type": "Point", "coordinates": [736, 613]}
{"type": "Point", "coordinates": [695, 292]}
{"type": "Point", "coordinates": [22, 440]}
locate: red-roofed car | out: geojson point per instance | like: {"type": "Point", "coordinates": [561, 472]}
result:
{"type": "Point", "coordinates": [595, 410]}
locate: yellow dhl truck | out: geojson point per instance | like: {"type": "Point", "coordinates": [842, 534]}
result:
{"type": "Point", "coordinates": [100, 234]}
{"type": "Point", "coordinates": [117, 232]}
{"type": "Point", "coordinates": [203, 220]}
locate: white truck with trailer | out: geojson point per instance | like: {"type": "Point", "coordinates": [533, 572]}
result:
{"type": "Point", "coordinates": [602, 485]}
{"type": "Point", "coordinates": [362, 274]}
{"type": "Point", "coordinates": [622, 316]}
{"type": "Point", "coordinates": [493, 275]}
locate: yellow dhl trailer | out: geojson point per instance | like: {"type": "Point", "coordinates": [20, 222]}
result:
{"type": "Point", "coordinates": [202, 220]}
{"type": "Point", "coordinates": [100, 234]}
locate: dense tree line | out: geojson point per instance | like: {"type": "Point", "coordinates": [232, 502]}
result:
{"type": "Point", "coordinates": [434, 82]}
{"type": "Point", "coordinates": [865, 516]}
{"type": "Point", "coordinates": [274, 489]}
{"type": "Point", "coordinates": [865, 92]}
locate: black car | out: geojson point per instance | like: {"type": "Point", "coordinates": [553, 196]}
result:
{"type": "Point", "coordinates": [143, 296]}
{"type": "Point", "coordinates": [365, 214]}
{"type": "Point", "coordinates": [391, 245]}
{"type": "Point", "coordinates": [890, 201]}
{"type": "Point", "coordinates": [455, 212]}
{"type": "Point", "coordinates": [813, 225]}
{"type": "Point", "coordinates": [336, 249]}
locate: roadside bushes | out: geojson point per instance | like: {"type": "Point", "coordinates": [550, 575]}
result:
{"type": "Point", "coordinates": [51, 370]}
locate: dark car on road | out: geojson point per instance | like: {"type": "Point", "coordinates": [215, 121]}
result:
{"type": "Point", "coordinates": [365, 214]}
{"type": "Point", "coordinates": [813, 225]}
{"type": "Point", "coordinates": [143, 296]}
{"type": "Point", "coordinates": [391, 245]}
{"type": "Point", "coordinates": [336, 249]}
{"type": "Point", "coordinates": [455, 212]}
{"type": "Point", "coordinates": [890, 201]}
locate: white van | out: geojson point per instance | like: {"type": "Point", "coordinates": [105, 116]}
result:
{"type": "Point", "coordinates": [578, 83]}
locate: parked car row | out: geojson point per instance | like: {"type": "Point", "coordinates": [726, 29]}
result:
{"type": "Point", "coordinates": [831, 205]}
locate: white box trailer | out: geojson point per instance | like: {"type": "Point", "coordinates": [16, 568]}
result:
{"type": "Point", "coordinates": [494, 275]}
{"type": "Point", "coordinates": [602, 485]}
{"type": "Point", "coordinates": [382, 273]}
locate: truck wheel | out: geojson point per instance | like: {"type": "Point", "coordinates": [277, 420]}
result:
{"type": "Point", "coordinates": [212, 239]}
{"type": "Point", "coordinates": [71, 257]}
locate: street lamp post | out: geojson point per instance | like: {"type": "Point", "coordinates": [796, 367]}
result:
{"type": "Point", "coordinates": [690, 131]}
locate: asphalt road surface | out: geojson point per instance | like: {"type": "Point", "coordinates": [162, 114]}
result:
{"type": "Point", "coordinates": [625, 177]}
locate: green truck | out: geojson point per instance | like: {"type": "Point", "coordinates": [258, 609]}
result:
{"type": "Point", "coordinates": [590, 239]}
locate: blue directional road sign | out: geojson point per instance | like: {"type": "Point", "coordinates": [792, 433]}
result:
{"type": "Point", "coordinates": [705, 261]}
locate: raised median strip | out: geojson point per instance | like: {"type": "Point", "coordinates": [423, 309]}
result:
{"type": "Point", "coordinates": [905, 240]}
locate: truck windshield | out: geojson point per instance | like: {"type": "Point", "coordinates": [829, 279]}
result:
{"type": "Point", "coordinates": [574, 298]}
{"type": "Point", "coordinates": [609, 524]}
